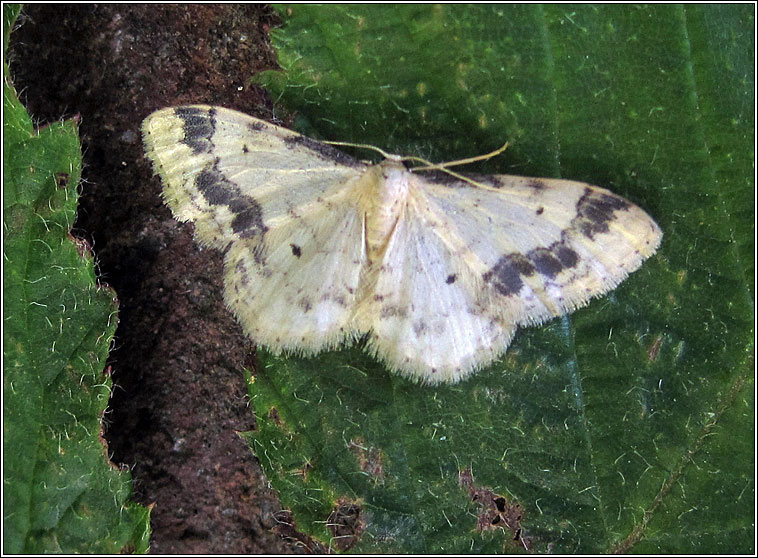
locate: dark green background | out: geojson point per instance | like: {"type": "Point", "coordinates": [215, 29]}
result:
{"type": "Point", "coordinates": [625, 426]}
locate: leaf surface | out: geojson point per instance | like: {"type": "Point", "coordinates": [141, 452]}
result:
{"type": "Point", "coordinates": [624, 427]}
{"type": "Point", "coordinates": [61, 494]}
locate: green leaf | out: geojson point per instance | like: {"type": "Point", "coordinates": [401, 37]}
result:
{"type": "Point", "coordinates": [626, 426]}
{"type": "Point", "coordinates": [61, 494]}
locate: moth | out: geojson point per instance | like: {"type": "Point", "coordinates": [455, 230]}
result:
{"type": "Point", "coordinates": [437, 269]}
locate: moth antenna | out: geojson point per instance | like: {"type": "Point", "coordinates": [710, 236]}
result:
{"type": "Point", "coordinates": [379, 150]}
{"type": "Point", "coordinates": [442, 166]}
{"type": "Point", "coordinates": [459, 177]}
{"type": "Point", "coordinates": [427, 165]}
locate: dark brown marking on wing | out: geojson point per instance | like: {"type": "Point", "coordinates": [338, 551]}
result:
{"type": "Point", "coordinates": [218, 190]}
{"type": "Point", "coordinates": [487, 179]}
{"type": "Point", "coordinates": [566, 255]}
{"type": "Point", "coordinates": [545, 263]}
{"type": "Point", "coordinates": [323, 151]}
{"type": "Point", "coordinates": [446, 179]}
{"type": "Point", "coordinates": [594, 210]}
{"type": "Point", "coordinates": [506, 274]}
{"type": "Point", "coordinates": [552, 260]}
{"type": "Point", "coordinates": [199, 127]}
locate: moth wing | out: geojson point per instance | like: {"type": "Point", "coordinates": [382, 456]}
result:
{"type": "Point", "coordinates": [282, 206]}
{"type": "Point", "coordinates": [236, 176]}
{"type": "Point", "coordinates": [296, 290]}
{"type": "Point", "coordinates": [466, 265]}
{"type": "Point", "coordinates": [542, 247]}
{"type": "Point", "coordinates": [428, 316]}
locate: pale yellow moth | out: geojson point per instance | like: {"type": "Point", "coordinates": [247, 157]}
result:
{"type": "Point", "coordinates": [437, 268]}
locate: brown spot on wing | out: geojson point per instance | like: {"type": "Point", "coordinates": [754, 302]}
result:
{"type": "Point", "coordinates": [306, 304]}
{"type": "Point", "coordinates": [256, 126]}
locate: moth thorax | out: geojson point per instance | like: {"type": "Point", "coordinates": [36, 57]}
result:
{"type": "Point", "coordinates": [384, 205]}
